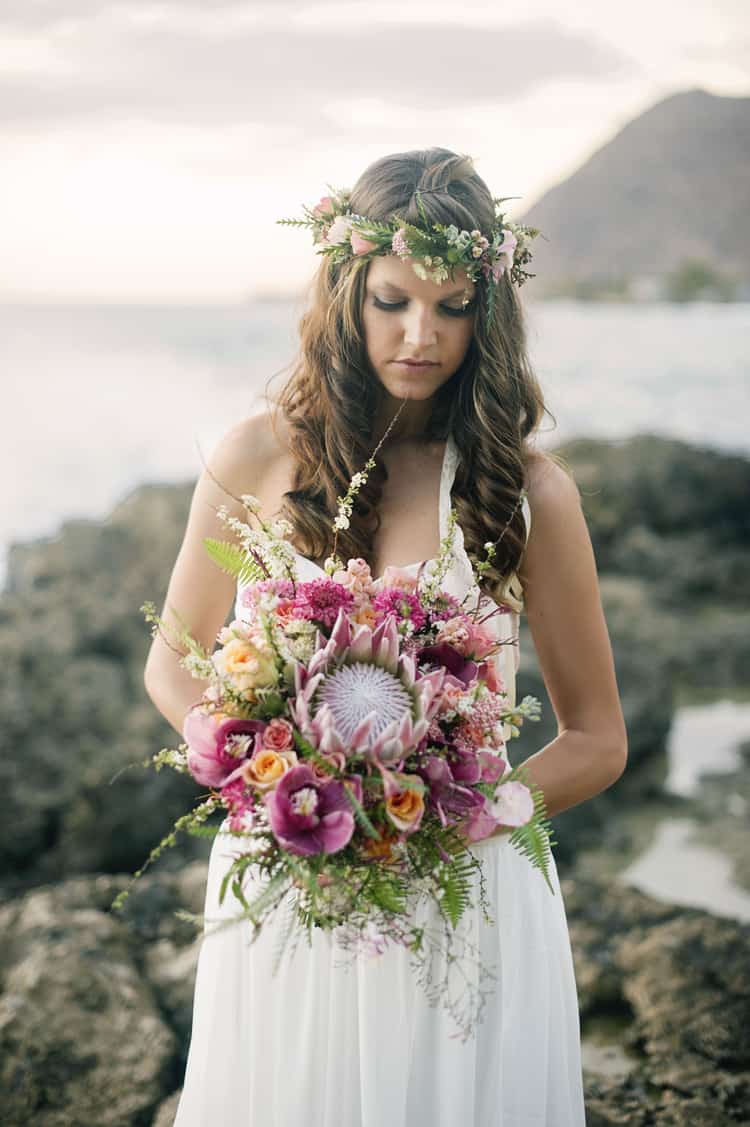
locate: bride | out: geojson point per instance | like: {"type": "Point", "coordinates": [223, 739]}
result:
{"type": "Point", "coordinates": [389, 331]}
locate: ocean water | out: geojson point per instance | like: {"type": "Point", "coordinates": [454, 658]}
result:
{"type": "Point", "coordinates": [100, 399]}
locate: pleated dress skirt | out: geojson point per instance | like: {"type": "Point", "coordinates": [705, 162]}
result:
{"type": "Point", "coordinates": [338, 1039]}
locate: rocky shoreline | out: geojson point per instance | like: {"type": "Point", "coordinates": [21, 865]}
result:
{"type": "Point", "coordinates": [95, 1009]}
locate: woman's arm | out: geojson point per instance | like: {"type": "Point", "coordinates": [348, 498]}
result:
{"type": "Point", "coordinates": [565, 616]}
{"type": "Point", "coordinates": [199, 591]}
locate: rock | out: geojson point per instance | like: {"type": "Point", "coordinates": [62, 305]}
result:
{"type": "Point", "coordinates": [171, 972]}
{"type": "Point", "coordinates": [167, 1110]}
{"type": "Point", "coordinates": [82, 1038]}
{"type": "Point", "coordinates": [76, 719]}
{"type": "Point", "coordinates": [680, 979]}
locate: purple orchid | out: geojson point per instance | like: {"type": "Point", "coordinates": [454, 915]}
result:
{"type": "Point", "coordinates": [216, 744]}
{"type": "Point", "coordinates": [446, 794]}
{"type": "Point", "coordinates": [447, 656]}
{"type": "Point", "coordinates": [308, 815]}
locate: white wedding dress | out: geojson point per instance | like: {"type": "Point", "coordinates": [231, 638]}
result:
{"type": "Point", "coordinates": [336, 1040]}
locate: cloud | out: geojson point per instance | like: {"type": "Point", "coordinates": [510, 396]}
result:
{"type": "Point", "coordinates": [210, 72]}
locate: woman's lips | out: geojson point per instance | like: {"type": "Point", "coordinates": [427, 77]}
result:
{"type": "Point", "coordinates": [417, 365]}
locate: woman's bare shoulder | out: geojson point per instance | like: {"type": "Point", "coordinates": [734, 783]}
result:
{"type": "Point", "coordinates": [248, 451]}
{"type": "Point", "coordinates": [549, 483]}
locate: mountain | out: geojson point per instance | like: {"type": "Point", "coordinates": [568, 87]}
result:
{"type": "Point", "coordinates": [671, 187]}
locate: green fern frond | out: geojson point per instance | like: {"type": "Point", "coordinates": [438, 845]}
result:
{"type": "Point", "coordinates": [234, 561]}
{"type": "Point", "coordinates": [533, 842]}
{"type": "Point", "coordinates": [457, 891]}
{"type": "Point", "coordinates": [387, 891]}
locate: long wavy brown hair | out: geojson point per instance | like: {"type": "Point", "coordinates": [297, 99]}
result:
{"type": "Point", "coordinates": [492, 404]}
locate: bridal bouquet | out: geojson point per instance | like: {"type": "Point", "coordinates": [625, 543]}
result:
{"type": "Point", "coordinates": [353, 734]}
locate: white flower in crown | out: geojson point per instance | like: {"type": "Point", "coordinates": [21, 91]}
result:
{"type": "Point", "coordinates": [504, 254]}
{"type": "Point", "coordinates": [339, 231]}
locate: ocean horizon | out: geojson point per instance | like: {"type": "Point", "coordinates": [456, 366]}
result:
{"type": "Point", "coordinates": [103, 398]}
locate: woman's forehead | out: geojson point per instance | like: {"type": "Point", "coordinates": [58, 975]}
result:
{"type": "Point", "coordinates": [391, 271]}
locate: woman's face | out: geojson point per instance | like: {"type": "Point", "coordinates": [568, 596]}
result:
{"type": "Point", "coordinates": [406, 318]}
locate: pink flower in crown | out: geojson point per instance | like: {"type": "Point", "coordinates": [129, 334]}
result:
{"type": "Point", "coordinates": [504, 254]}
{"type": "Point", "coordinates": [361, 245]}
{"type": "Point", "coordinates": [323, 207]}
{"type": "Point", "coordinates": [399, 244]}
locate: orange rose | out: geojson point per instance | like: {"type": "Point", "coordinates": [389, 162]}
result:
{"type": "Point", "coordinates": [405, 809]}
{"type": "Point", "coordinates": [379, 850]}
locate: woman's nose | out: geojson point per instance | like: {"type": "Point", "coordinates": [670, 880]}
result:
{"type": "Point", "coordinates": [419, 328]}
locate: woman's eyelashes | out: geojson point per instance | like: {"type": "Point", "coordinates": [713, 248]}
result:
{"type": "Point", "coordinates": [451, 310]}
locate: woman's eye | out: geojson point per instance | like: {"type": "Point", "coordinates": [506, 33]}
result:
{"type": "Point", "coordinates": [451, 310]}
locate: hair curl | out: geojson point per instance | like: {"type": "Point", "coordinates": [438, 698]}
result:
{"type": "Point", "coordinates": [492, 404]}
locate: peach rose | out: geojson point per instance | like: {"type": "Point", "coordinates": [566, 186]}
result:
{"type": "Point", "coordinates": [248, 662]}
{"type": "Point", "coordinates": [266, 767]}
{"type": "Point", "coordinates": [365, 616]}
{"type": "Point", "coordinates": [399, 577]}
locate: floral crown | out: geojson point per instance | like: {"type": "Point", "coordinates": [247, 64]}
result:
{"type": "Point", "coordinates": [434, 250]}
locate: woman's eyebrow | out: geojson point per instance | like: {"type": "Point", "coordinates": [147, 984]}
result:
{"type": "Point", "coordinates": [395, 289]}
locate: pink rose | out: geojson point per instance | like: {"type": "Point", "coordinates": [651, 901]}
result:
{"type": "Point", "coordinates": [480, 640]}
{"type": "Point", "coordinates": [279, 735]}
{"type": "Point", "coordinates": [324, 206]}
{"type": "Point", "coordinates": [360, 245]}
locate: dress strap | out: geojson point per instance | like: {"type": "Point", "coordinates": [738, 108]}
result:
{"type": "Point", "coordinates": [447, 477]}
{"type": "Point", "coordinates": [526, 510]}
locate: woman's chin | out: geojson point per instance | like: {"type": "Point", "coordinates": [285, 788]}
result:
{"type": "Point", "coordinates": [417, 386]}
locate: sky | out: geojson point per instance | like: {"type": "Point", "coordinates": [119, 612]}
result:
{"type": "Point", "coordinates": [148, 147]}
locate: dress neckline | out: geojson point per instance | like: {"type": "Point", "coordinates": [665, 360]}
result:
{"type": "Point", "coordinates": [447, 477]}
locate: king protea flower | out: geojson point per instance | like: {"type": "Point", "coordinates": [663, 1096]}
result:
{"type": "Point", "coordinates": [358, 696]}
